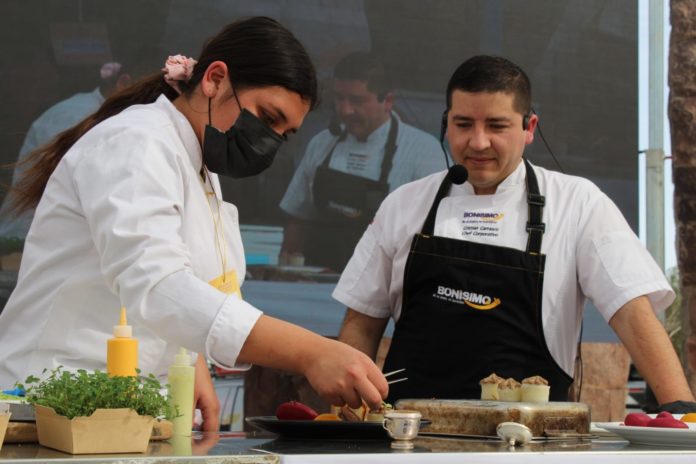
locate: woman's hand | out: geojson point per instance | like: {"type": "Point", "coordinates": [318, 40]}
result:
{"type": "Point", "coordinates": [339, 373]}
{"type": "Point", "coordinates": [205, 398]}
{"type": "Point", "coordinates": [343, 375]}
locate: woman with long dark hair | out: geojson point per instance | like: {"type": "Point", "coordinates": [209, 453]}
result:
{"type": "Point", "coordinates": [129, 213]}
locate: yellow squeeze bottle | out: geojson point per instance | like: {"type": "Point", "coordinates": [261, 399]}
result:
{"type": "Point", "coordinates": [122, 350]}
{"type": "Point", "coordinates": [181, 379]}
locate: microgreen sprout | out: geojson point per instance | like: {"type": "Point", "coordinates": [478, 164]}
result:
{"type": "Point", "coordinates": [80, 393]}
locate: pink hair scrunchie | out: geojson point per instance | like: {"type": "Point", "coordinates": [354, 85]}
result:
{"type": "Point", "coordinates": [178, 68]}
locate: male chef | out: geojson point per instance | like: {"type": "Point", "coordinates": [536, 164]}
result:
{"type": "Point", "coordinates": [350, 167]}
{"type": "Point", "coordinates": [491, 274]}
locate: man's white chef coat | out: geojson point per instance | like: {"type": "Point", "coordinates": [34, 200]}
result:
{"type": "Point", "coordinates": [125, 220]}
{"type": "Point", "coordinates": [590, 249]}
{"type": "Point", "coordinates": [59, 117]}
{"type": "Point", "coordinates": [417, 155]}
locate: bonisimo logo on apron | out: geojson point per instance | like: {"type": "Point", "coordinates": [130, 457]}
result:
{"type": "Point", "coordinates": [474, 300]}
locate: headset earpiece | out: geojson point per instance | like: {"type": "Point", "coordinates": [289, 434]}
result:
{"type": "Point", "coordinates": [443, 129]}
{"type": "Point", "coordinates": [525, 120]}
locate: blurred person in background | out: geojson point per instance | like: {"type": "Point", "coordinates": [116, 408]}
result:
{"type": "Point", "coordinates": [349, 168]}
{"type": "Point", "coordinates": [59, 117]}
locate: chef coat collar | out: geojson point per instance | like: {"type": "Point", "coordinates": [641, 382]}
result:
{"type": "Point", "coordinates": [185, 131]}
{"type": "Point", "coordinates": [378, 135]}
{"type": "Point", "coordinates": [515, 178]}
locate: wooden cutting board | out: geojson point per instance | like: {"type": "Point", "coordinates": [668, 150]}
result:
{"type": "Point", "coordinates": [25, 432]}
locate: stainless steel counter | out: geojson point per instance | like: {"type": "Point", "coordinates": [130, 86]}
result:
{"type": "Point", "coordinates": [222, 448]}
{"type": "Point", "coordinates": [202, 448]}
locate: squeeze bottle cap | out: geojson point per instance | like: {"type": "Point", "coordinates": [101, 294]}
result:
{"type": "Point", "coordinates": [182, 358]}
{"type": "Point", "coordinates": [123, 330]}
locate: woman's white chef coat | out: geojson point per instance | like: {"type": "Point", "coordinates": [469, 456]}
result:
{"type": "Point", "coordinates": [591, 251]}
{"type": "Point", "coordinates": [125, 220]}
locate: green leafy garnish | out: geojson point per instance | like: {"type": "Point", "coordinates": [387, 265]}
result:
{"type": "Point", "coordinates": [75, 394]}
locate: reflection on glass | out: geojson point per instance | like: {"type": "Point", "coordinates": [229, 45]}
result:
{"type": "Point", "coordinates": [587, 100]}
{"type": "Point", "coordinates": [181, 445]}
{"type": "Point", "coordinates": [56, 119]}
{"type": "Point", "coordinates": [350, 167]}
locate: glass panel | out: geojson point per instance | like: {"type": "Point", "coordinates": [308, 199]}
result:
{"type": "Point", "coordinates": [580, 55]}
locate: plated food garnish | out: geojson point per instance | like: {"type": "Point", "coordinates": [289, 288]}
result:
{"type": "Point", "coordinates": [349, 414]}
{"type": "Point", "coordinates": [637, 419]}
{"type": "Point", "coordinates": [363, 413]}
{"type": "Point", "coordinates": [663, 420]}
{"type": "Point", "coordinates": [489, 387]}
{"type": "Point", "coordinates": [294, 410]}
{"type": "Point", "coordinates": [533, 389]}
{"type": "Point", "coordinates": [509, 390]}
{"type": "Point", "coordinates": [378, 415]}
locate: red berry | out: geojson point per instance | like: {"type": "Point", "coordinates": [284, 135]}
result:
{"type": "Point", "coordinates": [665, 414]}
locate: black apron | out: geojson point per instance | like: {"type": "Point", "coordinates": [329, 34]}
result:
{"type": "Point", "coordinates": [331, 238]}
{"type": "Point", "coordinates": [472, 309]}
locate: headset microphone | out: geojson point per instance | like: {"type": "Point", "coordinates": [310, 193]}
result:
{"type": "Point", "coordinates": [443, 126]}
{"type": "Point", "coordinates": [458, 174]}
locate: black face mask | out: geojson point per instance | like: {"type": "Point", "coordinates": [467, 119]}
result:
{"type": "Point", "coordinates": [247, 149]}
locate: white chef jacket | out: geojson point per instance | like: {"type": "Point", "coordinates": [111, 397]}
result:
{"type": "Point", "coordinates": [591, 252]}
{"type": "Point", "coordinates": [59, 117]}
{"type": "Point", "coordinates": [125, 220]}
{"type": "Point", "coordinates": [417, 155]}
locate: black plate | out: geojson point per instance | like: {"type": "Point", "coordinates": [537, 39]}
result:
{"type": "Point", "coordinates": [335, 430]}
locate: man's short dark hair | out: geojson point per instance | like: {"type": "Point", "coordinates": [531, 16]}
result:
{"type": "Point", "coordinates": [486, 73]}
{"type": "Point", "coordinates": [364, 66]}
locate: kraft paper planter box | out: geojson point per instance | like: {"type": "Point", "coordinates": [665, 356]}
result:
{"type": "Point", "coordinates": [4, 420]}
{"type": "Point", "coordinates": [105, 431]}
{"type": "Point", "coordinates": [162, 430]}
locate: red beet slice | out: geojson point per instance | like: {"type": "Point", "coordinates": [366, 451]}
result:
{"type": "Point", "coordinates": [293, 410]}
{"type": "Point", "coordinates": [637, 419]}
{"type": "Point", "coordinates": [667, 422]}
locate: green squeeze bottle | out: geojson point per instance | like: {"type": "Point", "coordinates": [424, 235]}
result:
{"type": "Point", "coordinates": [181, 379]}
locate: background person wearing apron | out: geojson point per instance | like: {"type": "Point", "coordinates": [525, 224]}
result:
{"type": "Point", "coordinates": [349, 168]}
{"type": "Point", "coordinates": [492, 275]}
